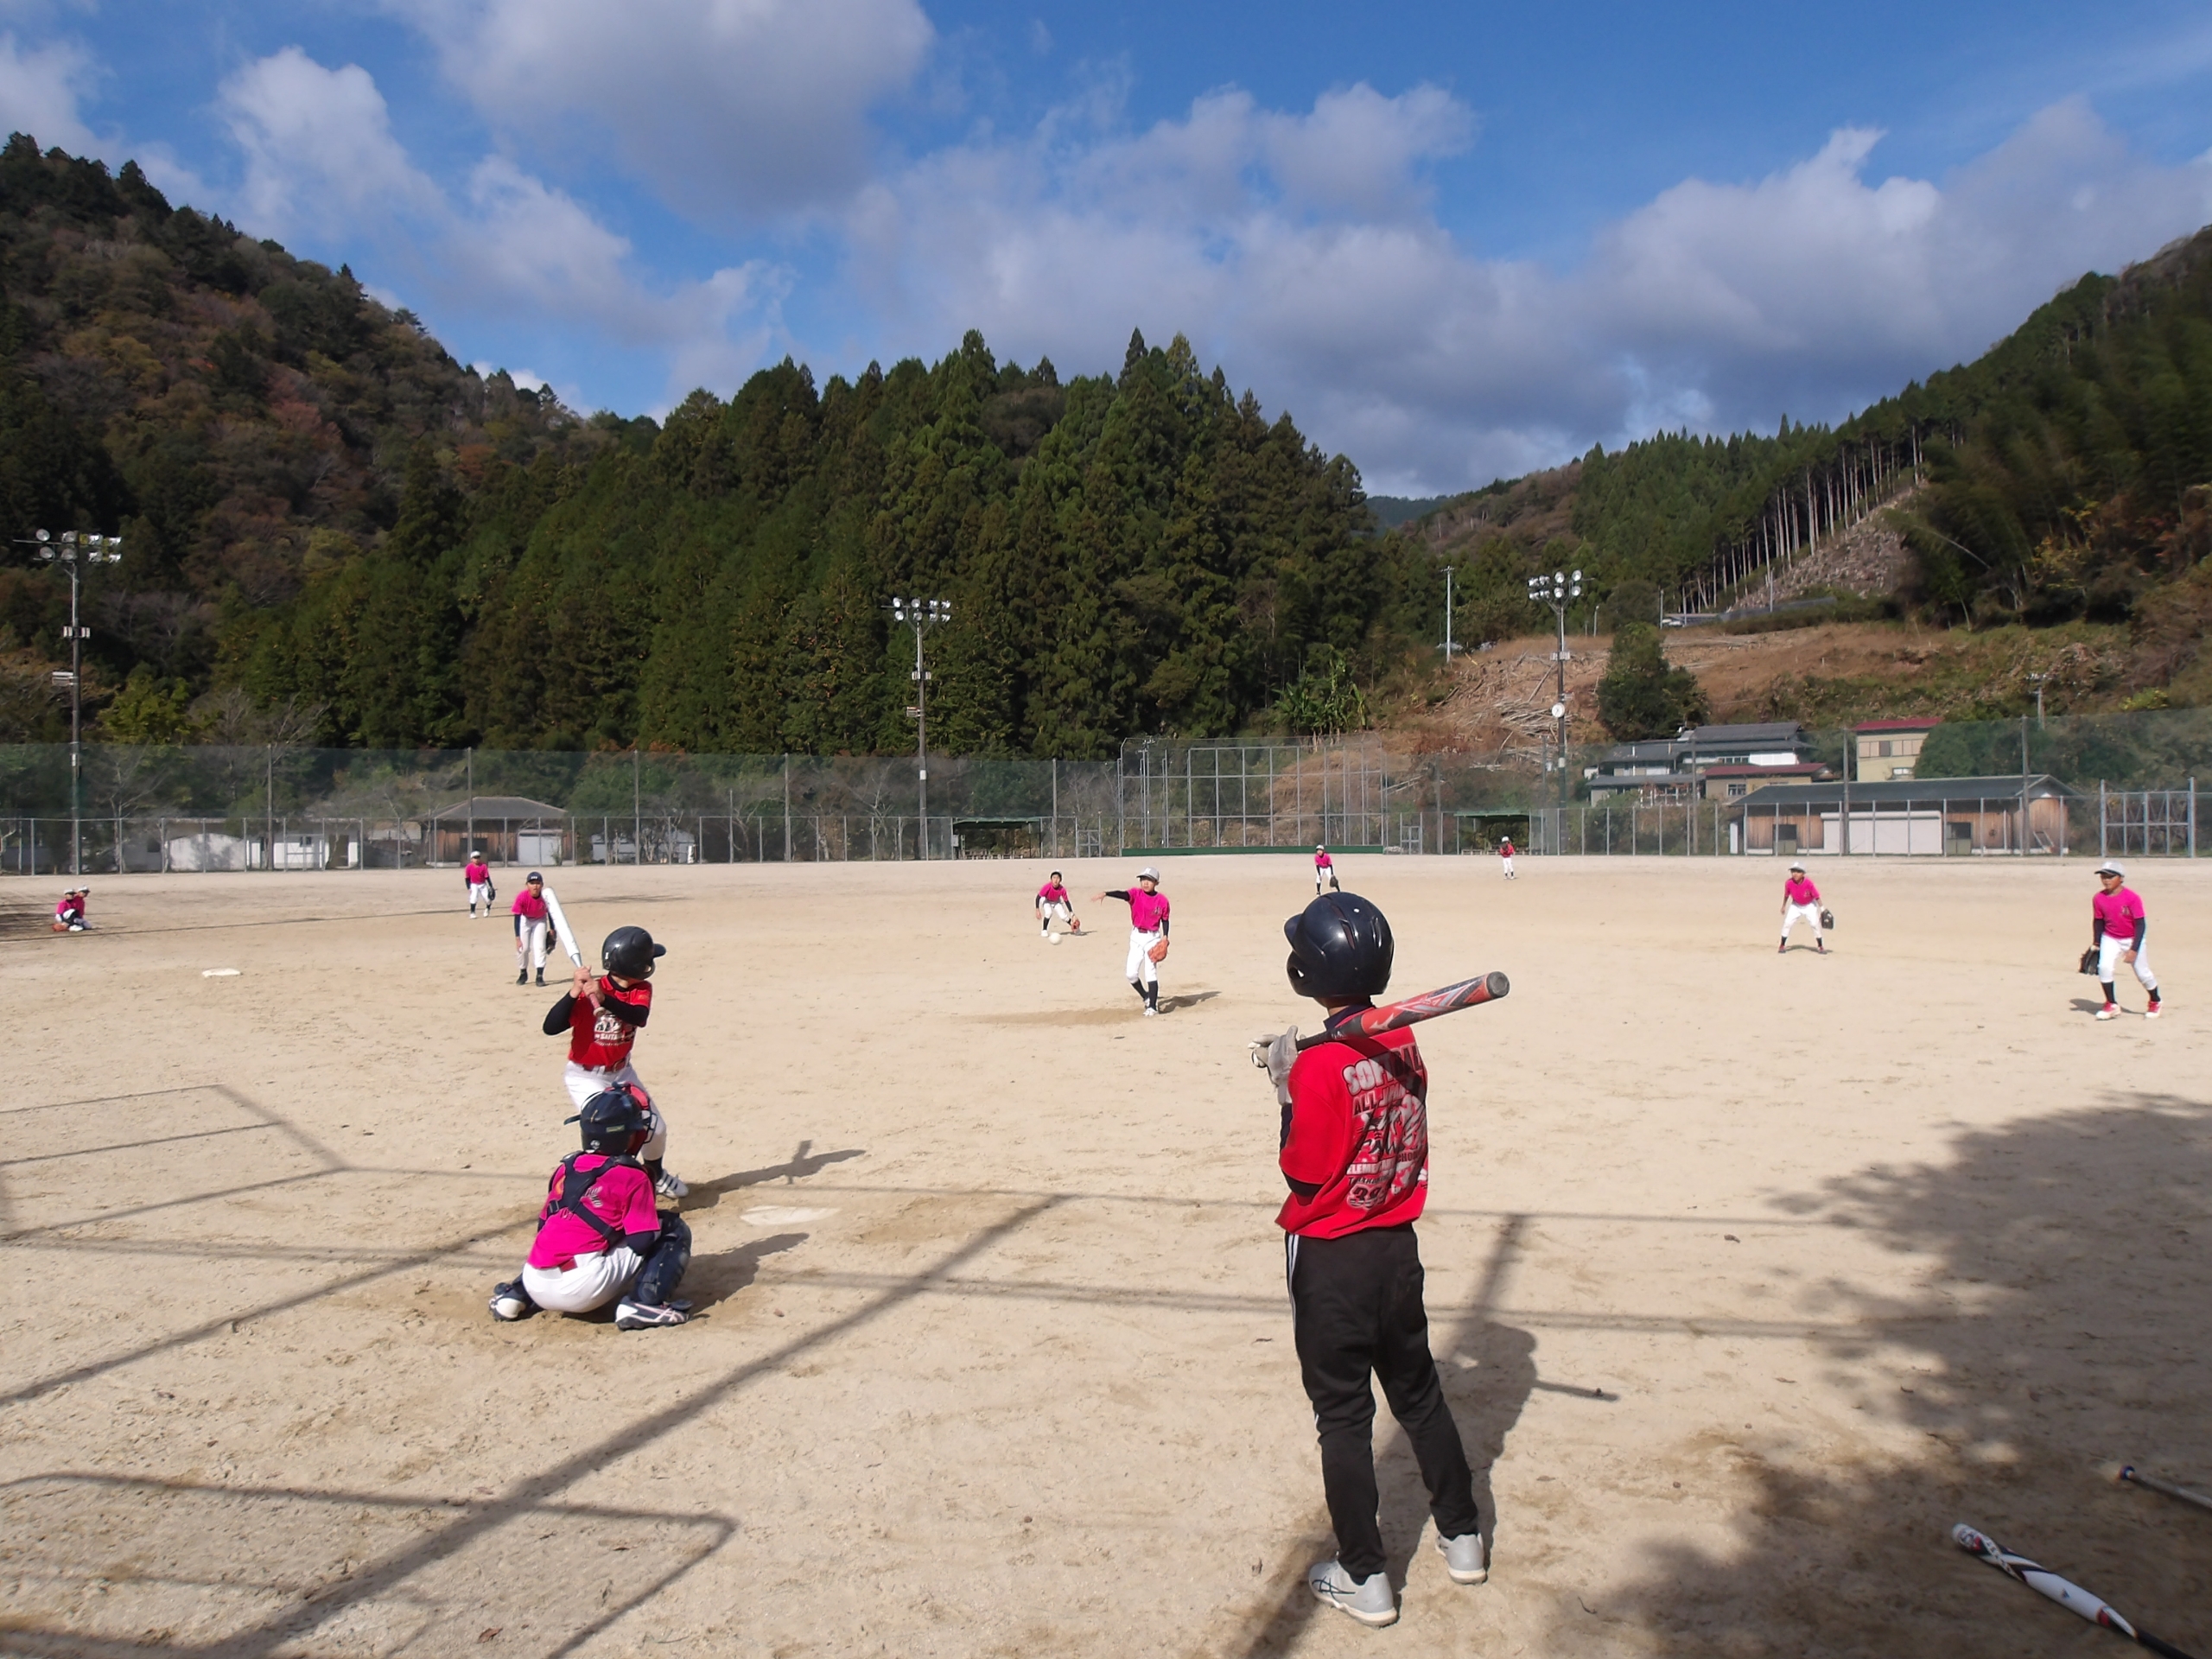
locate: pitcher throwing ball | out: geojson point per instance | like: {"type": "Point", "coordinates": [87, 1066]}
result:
{"type": "Point", "coordinates": [601, 1017]}
{"type": "Point", "coordinates": [598, 1236]}
{"type": "Point", "coordinates": [1147, 935]}
{"type": "Point", "coordinates": [1355, 1156]}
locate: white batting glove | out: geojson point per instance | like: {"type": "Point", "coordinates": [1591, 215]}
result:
{"type": "Point", "coordinates": [1274, 1055]}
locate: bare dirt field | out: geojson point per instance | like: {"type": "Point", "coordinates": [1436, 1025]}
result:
{"type": "Point", "coordinates": [1749, 1274]}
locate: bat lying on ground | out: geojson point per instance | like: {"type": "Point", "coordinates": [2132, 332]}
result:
{"type": "Point", "coordinates": [1389, 1016]}
{"type": "Point", "coordinates": [560, 929]}
{"type": "Point", "coordinates": [2044, 1581]}
{"type": "Point", "coordinates": [2135, 1476]}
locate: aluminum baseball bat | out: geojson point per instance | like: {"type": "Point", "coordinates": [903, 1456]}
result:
{"type": "Point", "coordinates": [2044, 1581]}
{"type": "Point", "coordinates": [2136, 1477]}
{"type": "Point", "coordinates": [561, 930]}
{"type": "Point", "coordinates": [1389, 1016]}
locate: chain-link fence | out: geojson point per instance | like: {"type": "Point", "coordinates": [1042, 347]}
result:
{"type": "Point", "coordinates": [2113, 785]}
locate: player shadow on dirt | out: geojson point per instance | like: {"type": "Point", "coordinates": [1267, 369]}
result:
{"type": "Point", "coordinates": [719, 1276]}
{"type": "Point", "coordinates": [705, 1195]}
{"type": "Point", "coordinates": [2062, 1319]}
{"type": "Point", "coordinates": [1188, 1000]}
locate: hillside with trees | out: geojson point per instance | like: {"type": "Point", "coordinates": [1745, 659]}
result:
{"type": "Point", "coordinates": [331, 525]}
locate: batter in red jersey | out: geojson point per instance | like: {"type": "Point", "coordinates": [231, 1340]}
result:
{"type": "Point", "coordinates": [1355, 1156]}
{"type": "Point", "coordinates": [1800, 902]}
{"type": "Point", "coordinates": [1147, 935]}
{"type": "Point", "coordinates": [601, 1016]}
{"type": "Point", "coordinates": [1053, 901]}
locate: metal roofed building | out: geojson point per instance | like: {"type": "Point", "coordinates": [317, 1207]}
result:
{"type": "Point", "coordinates": [1939, 816]}
{"type": "Point", "coordinates": [1675, 768]}
{"type": "Point", "coordinates": [508, 829]}
{"type": "Point", "coordinates": [1886, 750]}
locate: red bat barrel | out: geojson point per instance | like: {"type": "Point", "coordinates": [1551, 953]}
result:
{"type": "Point", "coordinates": [1389, 1016]}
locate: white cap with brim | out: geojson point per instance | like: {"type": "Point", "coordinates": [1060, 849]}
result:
{"type": "Point", "coordinates": [1796, 867]}
{"type": "Point", "coordinates": [1148, 873]}
{"type": "Point", "coordinates": [2110, 869]}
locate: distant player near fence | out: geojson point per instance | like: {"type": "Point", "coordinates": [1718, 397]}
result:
{"type": "Point", "coordinates": [1324, 869]}
{"type": "Point", "coordinates": [476, 876]}
{"type": "Point", "coordinates": [1505, 858]}
{"type": "Point", "coordinates": [2121, 932]}
{"type": "Point", "coordinates": [1800, 902]}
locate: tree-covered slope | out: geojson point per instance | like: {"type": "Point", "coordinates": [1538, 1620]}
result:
{"type": "Point", "coordinates": [323, 511]}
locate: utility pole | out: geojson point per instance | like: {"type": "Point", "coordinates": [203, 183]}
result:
{"type": "Point", "coordinates": [74, 551]}
{"type": "Point", "coordinates": [1558, 590]}
{"type": "Point", "coordinates": [2037, 681]}
{"type": "Point", "coordinates": [1448, 616]}
{"type": "Point", "coordinates": [921, 614]}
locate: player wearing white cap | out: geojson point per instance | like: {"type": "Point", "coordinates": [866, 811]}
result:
{"type": "Point", "coordinates": [1147, 935]}
{"type": "Point", "coordinates": [1800, 902]}
{"type": "Point", "coordinates": [2119, 929]}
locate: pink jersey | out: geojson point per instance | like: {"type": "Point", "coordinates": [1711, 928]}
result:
{"type": "Point", "coordinates": [1052, 894]}
{"type": "Point", "coordinates": [1322, 861]}
{"type": "Point", "coordinates": [476, 874]}
{"type": "Point", "coordinates": [2118, 910]}
{"type": "Point", "coordinates": [1147, 910]}
{"type": "Point", "coordinates": [528, 906]}
{"type": "Point", "coordinates": [623, 1198]}
{"type": "Point", "coordinates": [1800, 890]}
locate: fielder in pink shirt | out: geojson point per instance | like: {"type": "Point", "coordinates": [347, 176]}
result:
{"type": "Point", "coordinates": [1053, 901]}
{"type": "Point", "coordinates": [1800, 902]}
{"type": "Point", "coordinates": [1324, 869]}
{"type": "Point", "coordinates": [1147, 935]}
{"type": "Point", "coordinates": [2120, 932]}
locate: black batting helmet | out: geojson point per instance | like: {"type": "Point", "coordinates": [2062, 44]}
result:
{"type": "Point", "coordinates": [613, 1121]}
{"type": "Point", "coordinates": [1341, 945]}
{"type": "Point", "coordinates": [630, 951]}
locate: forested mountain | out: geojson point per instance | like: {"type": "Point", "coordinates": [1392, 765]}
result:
{"type": "Point", "coordinates": [324, 514]}
{"type": "Point", "coordinates": [2065, 473]}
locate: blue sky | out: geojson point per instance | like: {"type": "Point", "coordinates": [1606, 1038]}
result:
{"type": "Point", "coordinates": [1455, 242]}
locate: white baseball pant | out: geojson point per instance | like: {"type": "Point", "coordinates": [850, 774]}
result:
{"type": "Point", "coordinates": [2108, 963]}
{"type": "Point", "coordinates": [583, 1082]}
{"type": "Point", "coordinates": [1141, 970]}
{"type": "Point", "coordinates": [1046, 915]}
{"type": "Point", "coordinates": [479, 892]}
{"type": "Point", "coordinates": [1793, 914]}
{"type": "Point", "coordinates": [1508, 868]}
{"type": "Point", "coordinates": [595, 1281]}
{"type": "Point", "coordinates": [531, 939]}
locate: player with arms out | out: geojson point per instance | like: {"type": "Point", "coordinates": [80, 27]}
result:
{"type": "Point", "coordinates": [1355, 1155]}
{"type": "Point", "coordinates": [601, 1017]}
{"type": "Point", "coordinates": [1324, 869]}
{"type": "Point", "coordinates": [476, 876]}
{"type": "Point", "coordinates": [599, 1237]}
{"type": "Point", "coordinates": [533, 924]}
{"type": "Point", "coordinates": [2119, 930]}
{"type": "Point", "coordinates": [1800, 902]}
{"type": "Point", "coordinates": [1147, 935]}
{"type": "Point", "coordinates": [1053, 901]}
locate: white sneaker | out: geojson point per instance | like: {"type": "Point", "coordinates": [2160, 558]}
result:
{"type": "Point", "coordinates": [1151, 1012]}
{"type": "Point", "coordinates": [1368, 1600]}
{"type": "Point", "coordinates": [672, 1185]}
{"type": "Point", "coordinates": [2110, 1011]}
{"type": "Point", "coordinates": [1464, 1558]}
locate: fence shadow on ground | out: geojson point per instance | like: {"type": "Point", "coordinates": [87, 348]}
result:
{"type": "Point", "coordinates": [2062, 1321]}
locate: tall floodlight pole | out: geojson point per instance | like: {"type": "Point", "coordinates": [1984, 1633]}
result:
{"type": "Point", "coordinates": [73, 552]}
{"type": "Point", "coordinates": [921, 614]}
{"type": "Point", "coordinates": [1448, 616]}
{"type": "Point", "coordinates": [1559, 591]}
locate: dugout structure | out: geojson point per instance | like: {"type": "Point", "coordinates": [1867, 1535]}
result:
{"type": "Point", "coordinates": [1921, 817]}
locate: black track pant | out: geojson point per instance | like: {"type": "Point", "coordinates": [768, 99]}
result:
{"type": "Point", "coordinates": [1357, 1302]}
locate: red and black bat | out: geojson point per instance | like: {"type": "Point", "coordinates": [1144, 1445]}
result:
{"type": "Point", "coordinates": [1389, 1016]}
{"type": "Point", "coordinates": [2070, 1596]}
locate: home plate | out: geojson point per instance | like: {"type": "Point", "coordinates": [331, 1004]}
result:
{"type": "Point", "coordinates": [218, 973]}
{"type": "Point", "coordinates": [776, 1216]}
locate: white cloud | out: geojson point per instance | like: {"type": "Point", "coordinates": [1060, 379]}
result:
{"type": "Point", "coordinates": [39, 90]}
{"type": "Point", "coordinates": [321, 160]}
{"type": "Point", "coordinates": [1300, 251]}
{"type": "Point", "coordinates": [752, 105]}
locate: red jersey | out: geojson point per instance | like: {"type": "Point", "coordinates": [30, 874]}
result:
{"type": "Point", "coordinates": [622, 1197]}
{"type": "Point", "coordinates": [1357, 1129]}
{"type": "Point", "coordinates": [599, 1041]}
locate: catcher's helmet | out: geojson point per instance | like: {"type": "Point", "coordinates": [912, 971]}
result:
{"type": "Point", "coordinates": [630, 951]}
{"type": "Point", "coordinates": [1341, 945]}
{"type": "Point", "coordinates": [613, 1121]}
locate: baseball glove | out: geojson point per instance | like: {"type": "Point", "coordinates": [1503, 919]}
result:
{"type": "Point", "coordinates": [1159, 951]}
{"type": "Point", "coordinates": [2089, 960]}
{"type": "Point", "coordinates": [1827, 921]}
